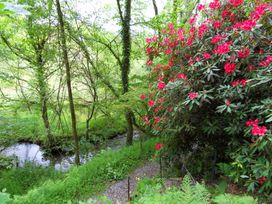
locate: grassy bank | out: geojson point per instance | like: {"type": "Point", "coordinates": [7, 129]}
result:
{"type": "Point", "coordinates": [82, 182]}
{"type": "Point", "coordinates": [21, 125]}
{"type": "Point", "coordinates": [18, 181]}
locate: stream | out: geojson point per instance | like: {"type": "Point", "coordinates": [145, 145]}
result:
{"type": "Point", "coordinates": [27, 152]}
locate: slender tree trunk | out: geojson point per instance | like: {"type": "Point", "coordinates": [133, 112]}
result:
{"type": "Point", "coordinates": [68, 79]}
{"type": "Point", "coordinates": [43, 95]}
{"type": "Point", "coordinates": [126, 41]}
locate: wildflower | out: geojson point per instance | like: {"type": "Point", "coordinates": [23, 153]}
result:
{"type": "Point", "coordinates": [229, 68]}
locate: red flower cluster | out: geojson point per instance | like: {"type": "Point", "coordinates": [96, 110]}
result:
{"type": "Point", "coordinates": [216, 39]}
{"type": "Point", "coordinates": [192, 95]}
{"type": "Point", "coordinates": [266, 62]}
{"type": "Point", "coordinates": [182, 76]}
{"type": "Point", "coordinates": [161, 85]}
{"type": "Point", "coordinates": [223, 49]}
{"type": "Point", "coordinates": [151, 103]}
{"type": "Point", "coordinates": [244, 53]}
{"type": "Point", "coordinates": [261, 180]}
{"type": "Point", "coordinates": [206, 55]}
{"type": "Point", "coordinates": [256, 129]}
{"type": "Point", "coordinates": [242, 82]}
{"type": "Point", "coordinates": [158, 146]}
{"type": "Point", "coordinates": [215, 4]}
{"type": "Point", "coordinates": [236, 2]}
{"type": "Point", "coordinates": [229, 68]}
{"type": "Point", "coordinates": [246, 25]}
{"type": "Point", "coordinates": [202, 29]}
{"type": "Point", "coordinates": [142, 97]}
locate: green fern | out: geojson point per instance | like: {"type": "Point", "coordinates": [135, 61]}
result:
{"type": "Point", "coordinates": [188, 194]}
{"type": "Point", "coordinates": [234, 199]}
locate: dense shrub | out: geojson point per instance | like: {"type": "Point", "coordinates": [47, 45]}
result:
{"type": "Point", "coordinates": [210, 88]}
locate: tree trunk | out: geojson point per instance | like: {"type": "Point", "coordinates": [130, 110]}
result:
{"type": "Point", "coordinates": [68, 81]}
{"type": "Point", "coordinates": [126, 41]}
{"type": "Point", "coordinates": [43, 95]}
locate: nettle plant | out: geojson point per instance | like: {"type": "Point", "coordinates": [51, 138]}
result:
{"type": "Point", "coordinates": [211, 85]}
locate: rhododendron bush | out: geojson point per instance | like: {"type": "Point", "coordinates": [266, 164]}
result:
{"type": "Point", "coordinates": [211, 85]}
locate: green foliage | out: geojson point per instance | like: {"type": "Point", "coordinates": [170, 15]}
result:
{"type": "Point", "coordinates": [18, 181]}
{"type": "Point", "coordinates": [90, 178]}
{"type": "Point", "coordinates": [150, 192]}
{"type": "Point", "coordinates": [234, 199]}
{"type": "Point", "coordinates": [4, 197]}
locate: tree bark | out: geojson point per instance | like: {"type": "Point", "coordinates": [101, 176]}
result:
{"type": "Point", "coordinates": [126, 41]}
{"type": "Point", "coordinates": [68, 80]}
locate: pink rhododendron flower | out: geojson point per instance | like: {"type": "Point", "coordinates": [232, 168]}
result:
{"type": "Point", "coordinates": [258, 130]}
{"type": "Point", "coordinates": [229, 68]}
{"type": "Point", "coordinates": [158, 146]}
{"type": "Point", "coordinates": [168, 51]}
{"type": "Point", "coordinates": [244, 53]}
{"type": "Point", "coordinates": [161, 85]}
{"type": "Point", "coordinates": [192, 95]}
{"type": "Point", "coordinates": [261, 180]}
{"type": "Point", "coordinates": [206, 55]}
{"type": "Point", "coordinates": [200, 7]}
{"type": "Point", "coordinates": [227, 102]}
{"type": "Point", "coordinates": [266, 62]}
{"type": "Point", "coordinates": [251, 122]}
{"type": "Point", "coordinates": [182, 76]}
{"type": "Point", "coordinates": [225, 13]}
{"type": "Point", "coordinates": [149, 63]}
{"type": "Point", "coordinates": [149, 49]}
{"type": "Point", "coordinates": [157, 120]}
{"type": "Point", "coordinates": [259, 12]}
{"type": "Point", "coordinates": [246, 25]}
{"type": "Point", "coordinates": [151, 103]}
{"type": "Point", "coordinates": [250, 67]}
{"type": "Point", "coordinates": [171, 26]}
{"type": "Point", "coordinates": [142, 97]}
{"type": "Point", "coordinates": [217, 24]}
{"type": "Point", "coordinates": [215, 4]}
{"type": "Point", "coordinates": [192, 20]}
{"type": "Point", "coordinates": [145, 118]}
{"type": "Point", "coordinates": [216, 39]}
{"type": "Point", "coordinates": [236, 2]}
{"type": "Point", "coordinates": [223, 49]}
{"type": "Point", "coordinates": [202, 29]}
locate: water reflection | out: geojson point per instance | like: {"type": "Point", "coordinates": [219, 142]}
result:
{"type": "Point", "coordinates": [27, 152]}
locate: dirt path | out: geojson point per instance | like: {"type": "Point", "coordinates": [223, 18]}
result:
{"type": "Point", "coordinates": [118, 191]}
